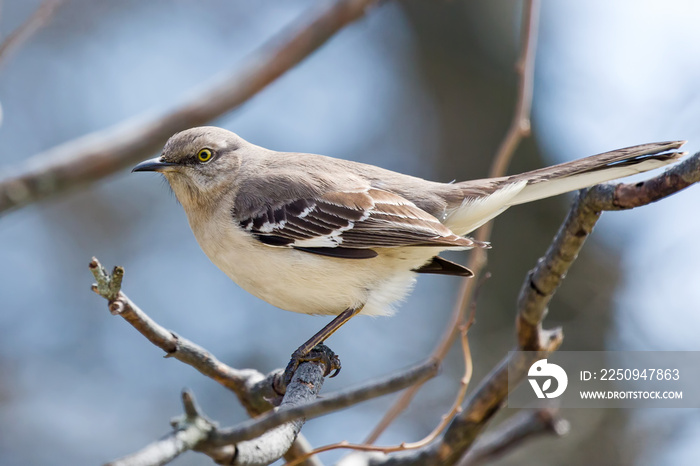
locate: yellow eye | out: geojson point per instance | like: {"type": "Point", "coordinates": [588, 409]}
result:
{"type": "Point", "coordinates": [204, 155]}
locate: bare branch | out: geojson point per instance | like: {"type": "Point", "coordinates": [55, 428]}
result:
{"type": "Point", "coordinates": [630, 195]}
{"type": "Point", "coordinates": [333, 402]}
{"type": "Point", "coordinates": [302, 447]}
{"type": "Point", "coordinates": [94, 156]}
{"type": "Point", "coordinates": [525, 67]}
{"type": "Point", "coordinates": [190, 429]}
{"type": "Point", "coordinates": [513, 432]}
{"type": "Point", "coordinates": [193, 430]}
{"type": "Point", "coordinates": [36, 21]}
{"type": "Point", "coordinates": [274, 443]}
{"type": "Point", "coordinates": [519, 128]}
{"type": "Point", "coordinates": [252, 388]}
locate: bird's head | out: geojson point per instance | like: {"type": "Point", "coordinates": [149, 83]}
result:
{"type": "Point", "coordinates": [199, 163]}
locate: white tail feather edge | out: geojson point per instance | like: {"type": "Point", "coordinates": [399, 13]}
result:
{"type": "Point", "coordinates": [533, 192]}
{"type": "Point", "coordinates": [474, 212]}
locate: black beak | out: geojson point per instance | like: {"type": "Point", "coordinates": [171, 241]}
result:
{"type": "Point", "coordinates": [152, 165]}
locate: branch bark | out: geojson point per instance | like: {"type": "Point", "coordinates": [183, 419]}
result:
{"type": "Point", "coordinates": [190, 429]}
{"type": "Point", "coordinates": [513, 432]}
{"type": "Point", "coordinates": [333, 402]}
{"type": "Point", "coordinates": [193, 431]}
{"type": "Point", "coordinates": [97, 155]}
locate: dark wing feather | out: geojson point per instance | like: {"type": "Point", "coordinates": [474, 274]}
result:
{"type": "Point", "coordinates": [441, 266]}
{"type": "Point", "coordinates": [339, 224]}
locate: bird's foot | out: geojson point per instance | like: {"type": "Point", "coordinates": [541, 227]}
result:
{"type": "Point", "coordinates": [320, 353]}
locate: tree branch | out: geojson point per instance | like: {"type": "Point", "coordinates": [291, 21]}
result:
{"type": "Point", "coordinates": [274, 443]}
{"type": "Point", "coordinates": [254, 390]}
{"type": "Point", "coordinates": [97, 155]}
{"type": "Point", "coordinates": [542, 282]}
{"type": "Point", "coordinates": [194, 430]}
{"type": "Point", "coordinates": [190, 429]}
{"type": "Point", "coordinates": [624, 196]}
{"type": "Point", "coordinates": [36, 21]}
{"type": "Point", "coordinates": [334, 402]}
{"type": "Point", "coordinates": [513, 432]}
{"type": "Point", "coordinates": [456, 408]}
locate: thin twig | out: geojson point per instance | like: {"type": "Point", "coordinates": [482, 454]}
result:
{"type": "Point", "coordinates": [36, 21]}
{"type": "Point", "coordinates": [519, 128]}
{"type": "Point", "coordinates": [97, 155]}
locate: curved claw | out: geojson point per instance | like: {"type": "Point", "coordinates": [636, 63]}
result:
{"type": "Point", "coordinates": [332, 363]}
{"type": "Point", "coordinates": [320, 353]}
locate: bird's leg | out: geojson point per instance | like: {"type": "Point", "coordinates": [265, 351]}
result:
{"type": "Point", "coordinates": [331, 360]}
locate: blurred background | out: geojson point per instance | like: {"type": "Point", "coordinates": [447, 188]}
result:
{"type": "Point", "coordinates": [422, 87]}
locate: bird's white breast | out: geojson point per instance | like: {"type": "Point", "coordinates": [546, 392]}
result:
{"type": "Point", "coordinates": [304, 282]}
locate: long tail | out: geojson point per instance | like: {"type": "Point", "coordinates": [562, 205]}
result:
{"type": "Point", "coordinates": [485, 199]}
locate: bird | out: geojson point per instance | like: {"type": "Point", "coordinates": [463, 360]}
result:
{"type": "Point", "coordinates": [319, 235]}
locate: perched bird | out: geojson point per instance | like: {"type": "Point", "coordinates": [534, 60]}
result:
{"type": "Point", "coordinates": [318, 235]}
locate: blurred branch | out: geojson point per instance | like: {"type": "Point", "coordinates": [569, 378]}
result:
{"type": "Point", "coordinates": [97, 155]}
{"type": "Point", "coordinates": [537, 291]}
{"type": "Point", "coordinates": [513, 432]}
{"type": "Point", "coordinates": [36, 21]}
{"type": "Point", "coordinates": [270, 433]}
{"type": "Point", "coordinates": [525, 67]}
{"type": "Point", "coordinates": [519, 128]}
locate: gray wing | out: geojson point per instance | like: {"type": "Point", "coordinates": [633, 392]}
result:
{"type": "Point", "coordinates": [350, 224]}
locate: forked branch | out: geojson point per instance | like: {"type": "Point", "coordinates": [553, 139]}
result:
{"type": "Point", "coordinates": [263, 439]}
